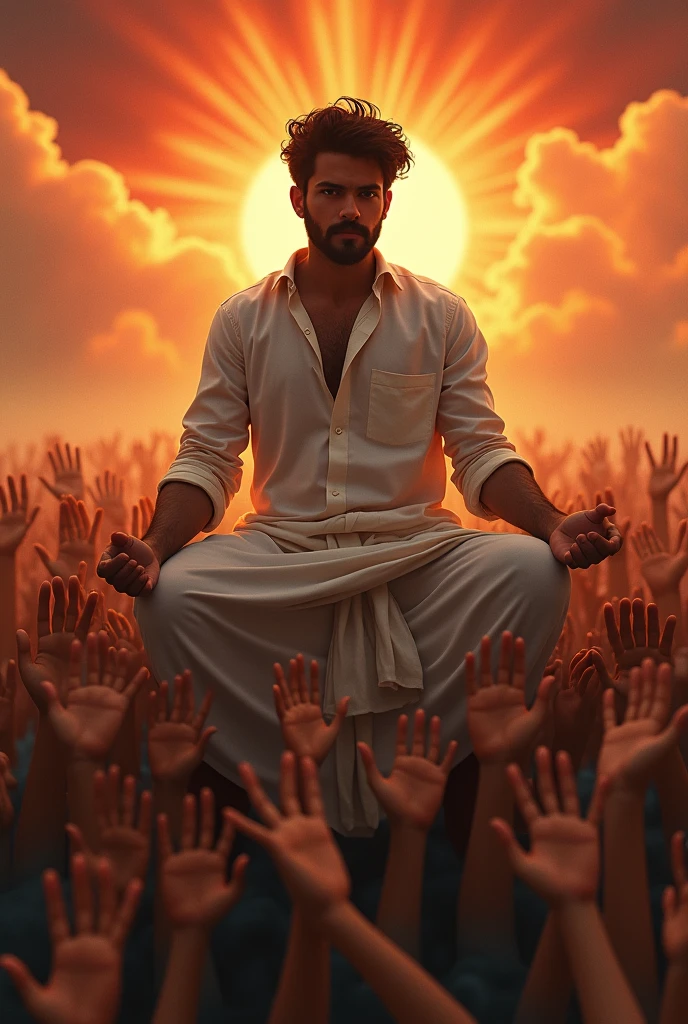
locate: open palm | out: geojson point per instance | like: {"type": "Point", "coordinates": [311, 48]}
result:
{"type": "Point", "coordinates": [300, 713]}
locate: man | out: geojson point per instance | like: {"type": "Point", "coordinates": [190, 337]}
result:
{"type": "Point", "coordinates": [351, 372]}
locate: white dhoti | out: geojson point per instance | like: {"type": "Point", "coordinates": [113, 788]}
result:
{"type": "Point", "coordinates": [388, 605]}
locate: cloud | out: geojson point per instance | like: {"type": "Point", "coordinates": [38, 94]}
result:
{"type": "Point", "coordinates": [589, 307]}
{"type": "Point", "coordinates": [88, 276]}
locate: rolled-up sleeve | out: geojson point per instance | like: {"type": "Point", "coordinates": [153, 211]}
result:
{"type": "Point", "coordinates": [466, 418]}
{"type": "Point", "coordinates": [216, 423]}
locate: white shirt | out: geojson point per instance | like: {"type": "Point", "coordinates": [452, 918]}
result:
{"type": "Point", "coordinates": [414, 375]}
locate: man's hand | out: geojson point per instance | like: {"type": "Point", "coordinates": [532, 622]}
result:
{"type": "Point", "coordinates": [193, 882]}
{"type": "Point", "coordinates": [631, 751]}
{"type": "Point", "coordinates": [78, 538]}
{"type": "Point", "coordinates": [89, 724]}
{"type": "Point", "coordinates": [412, 795]}
{"type": "Point", "coordinates": [129, 565]}
{"type": "Point", "coordinates": [15, 521]}
{"type": "Point", "coordinates": [299, 841]}
{"type": "Point", "coordinates": [662, 571]}
{"type": "Point", "coordinates": [68, 477]}
{"type": "Point", "coordinates": [564, 859]}
{"type": "Point", "coordinates": [664, 477]}
{"type": "Point", "coordinates": [85, 983]}
{"type": "Point", "coordinates": [176, 738]}
{"type": "Point", "coordinates": [55, 637]}
{"type": "Point", "coordinates": [500, 726]}
{"type": "Point", "coordinates": [303, 729]}
{"type": "Point", "coordinates": [586, 538]}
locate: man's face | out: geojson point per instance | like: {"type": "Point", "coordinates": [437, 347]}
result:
{"type": "Point", "coordinates": [344, 195]}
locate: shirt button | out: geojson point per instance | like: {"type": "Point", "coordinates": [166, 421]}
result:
{"type": "Point", "coordinates": [335, 493]}
{"type": "Point", "coordinates": [337, 430]}
{"type": "Point", "coordinates": [306, 331]}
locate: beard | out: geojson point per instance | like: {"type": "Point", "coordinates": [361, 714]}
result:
{"type": "Point", "coordinates": [346, 251]}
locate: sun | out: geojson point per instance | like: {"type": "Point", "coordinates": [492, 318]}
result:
{"type": "Point", "coordinates": [426, 229]}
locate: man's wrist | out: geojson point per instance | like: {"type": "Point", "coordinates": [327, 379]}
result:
{"type": "Point", "coordinates": [556, 519]}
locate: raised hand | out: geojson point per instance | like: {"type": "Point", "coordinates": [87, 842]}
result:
{"type": "Point", "coordinates": [85, 983]}
{"type": "Point", "coordinates": [110, 498]}
{"type": "Point", "coordinates": [56, 633]}
{"type": "Point", "coordinates": [124, 636]}
{"type": "Point", "coordinates": [633, 641]}
{"type": "Point", "coordinates": [597, 471]}
{"type": "Point", "coordinates": [631, 751]}
{"type": "Point", "coordinates": [575, 708]}
{"type": "Point", "coordinates": [7, 782]}
{"type": "Point", "coordinates": [68, 476]}
{"type": "Point", "coordinates": [124, 842]}
{"type": "Point", "coordinates": [300, 714]}
{"type": "Point", "coordinates": [412, 794]}
{"type": "Point", "coordinates": [661, 570]}
{"type": "Point", "coordinates": [631, 441]}
{"type": "Point", "coordinates": [94, 713]}
{"type": "Point", "coordinates": [129, 565]}
{"type": "Point", "coordinates": [564, 859]}
{"type": "Point", "coordinates": [176, 738]}
{"type": "Point", "coordinates": [675, 905]}
{"type": "Point", "coordinates": [586, 538]}
{"type": "Point", "coordinates": [15, 519]}
{"type": "Point", "coordinates": [193, 882]}
{"type": "Point", "coordinates": [77, 540]}
{"type": "Point", "coordinates": [299, 840]}
{"type": "Point", "coordinates": [499, 724]}
{"type": "Point", "coordinates": [664, 477]}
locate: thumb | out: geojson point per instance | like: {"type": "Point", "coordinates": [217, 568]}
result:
{"type": "Point", "coordinates": [23, 649]}
{"type": "Point", "coordinates": [45, 558]}
{"type": "Point", "coordinates": [33, 515]}
{"type": "Point", "coordinates": [203, 741]}
{"type": "Point", "coordinates": [76, 836]}
{"type": "Point", "coordinates": [25, 983]}
{"type": "Point", "coordinates": [121, 539]}
{"type": "Point", "coordinates": [53, 490]}
{"type": "Point", "coordinates": [506, 837]}
{"type": "Point", "coordinates": [375, 779]}
{"type": "Point", "coordinates": [598, 514]}
{"type": "Point", "coordinates": [340, 715]}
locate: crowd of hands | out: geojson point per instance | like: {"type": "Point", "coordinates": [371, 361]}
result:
{"type": "Point", "coordinates": [613, 701]}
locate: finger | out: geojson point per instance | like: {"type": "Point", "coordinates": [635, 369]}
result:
{"type": "Point", "coordinates": [608, 710]}
{"type": "Point", "coordinates": [164, 840]}
{"type": "Point", "coordinates": [128, 801]}
{"type": "Point", "coordinates": [567, 784]}
{"type": "Point", "coordinates": [206, 834]}
{"type": "Point", "coordinates": [667, 640]}
{"type": "Point", "coordinates": [376, 780]}
{"type": "Point", "coordinates": [597, 801]}
{"type": "Point", "coordinates": [294, 681]}
{"type": "Point", "coordinates": [53, 490]}
{"type": "Point", "coordinates": [650, 456]}
{"type": "Point", "coordinates": [545, 781]}
{"type": "Point", "coordinates": [315, 683]}
{"type": "Point", "coordinates": [107, 896]}
{"type": "Point", "coordinates": [519, 677]}
{"type": "Point", "coordinates": [301, 676]}
{"type": "Point", "coordinates": [418, 741]}
{"type": "Point", "coordinates": [625, 630]}
{"type": "Point", "coordinates": [653, 626]}
{"type": "Point", "coordinates": [250, 828]}
{"type": "Point", "coordinates": [434, 740]}
{"type": "Point", "coordinates": [634, 695]}
{"type": "Point", "coordinates": [506, 837]}
{"type": "Point", "coordinates": [648, 686]}
{"type": "Point", "coordinates": [137, 682]}
{"type": "Point", "coordinates": [82, 896]}
{"type": "Point", "coordinates": [279, 701]}
{"type": "Point", "coordinates": [264, 807]}
{"type": "Point", "coordinates": [203, 711]}
{"type": "Point", "coordinates": [612, 630]}
{"type": "Point", "coordinates": [77, 843]}
{"type": "Point", "coordinates": [661, 699]}
{"type": "Point", "coordinates": [485, 662]}
{"type": "Point", "coordinates": [224, 843]}
{"type": "Point", "coordinates": [282, 683]}
{"type": "Point", "coordinates": [678, 859]}
{"type": "Point", "coordinates": [505, 655]}
{"type": "Point", "coordinates": [86, 617]}
{"type": "Point", "coordinates": [146, 813]}
{"type": "Point", "coordinates": [177, 698]}
{"type": "Point", "coordinates": [162, 701]}
{"type": "Point", "coordinates": [127, 912]}
{"type": "Point", "coordinates": [288, 785]}
{"type": "Point", "coordinates": [470, 674]}
{"type": "Point", "coordinates": [402, 729]}
{"type": "Point", "coordinates": [59, 604]}
{"type": "Point", "coordinates": [639, 625]}
{"type": "Point", "coordinates": [449, 756]}
{"type": "Point", "coordinates": [188, 830]}
{"type": "Point", "coordinates": [522, 794]}
{"type": "Point", "coordinates": [95, 527]}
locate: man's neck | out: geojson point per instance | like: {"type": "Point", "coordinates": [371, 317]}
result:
{"type": "Point", "coordinates": [318, 278]}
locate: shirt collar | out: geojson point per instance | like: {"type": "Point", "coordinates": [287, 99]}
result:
{"type": "Point", "coordinates": [381, 267]}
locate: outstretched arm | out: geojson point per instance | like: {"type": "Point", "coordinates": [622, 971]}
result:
{"type": "Point", "coordinates": [315, 875]}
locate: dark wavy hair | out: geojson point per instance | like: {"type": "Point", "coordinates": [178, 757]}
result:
{"type": "Point", "coordinates": [357, 131]}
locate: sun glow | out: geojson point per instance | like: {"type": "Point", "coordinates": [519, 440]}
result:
{"type": "Point", "coordinates": [228, 102]}
{"type": "Point", "coordinates": [426, 229]}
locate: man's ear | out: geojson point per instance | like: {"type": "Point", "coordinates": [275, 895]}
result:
{"type": "Point", "coordinates": [296, 196]}
{"type": "Point", "coordinates": [388, 203]}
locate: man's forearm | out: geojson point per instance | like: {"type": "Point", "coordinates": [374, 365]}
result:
{"type": "Point", "coordinates": [512, 494]}
{"type": "Point", "coordinates": [181, 512]}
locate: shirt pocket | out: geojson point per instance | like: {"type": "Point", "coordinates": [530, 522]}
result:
{"type": "Point", "coordinates": [402, 407]}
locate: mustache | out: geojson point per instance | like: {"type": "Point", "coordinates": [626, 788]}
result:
{"type": "Point", "coordinates": [348, 231]}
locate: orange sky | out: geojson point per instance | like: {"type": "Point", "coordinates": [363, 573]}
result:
{"type": "Point", "coordinates": [118, 216]}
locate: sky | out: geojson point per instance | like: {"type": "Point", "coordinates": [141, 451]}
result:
{"type": "Point", "coordinates": [131, 134]}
